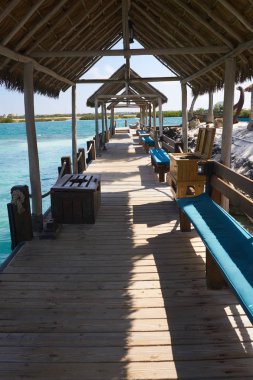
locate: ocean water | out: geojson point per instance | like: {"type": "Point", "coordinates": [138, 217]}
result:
{"type": "Point", "coordinates": [54, 141]}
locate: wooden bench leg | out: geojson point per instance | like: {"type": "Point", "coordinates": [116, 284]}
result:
{"type": "Point", "coordinates": [185, 224]}
{"type": "Point", "coordinates": [214, 277]}
{"type": "Point", "coordinates": [161, 176]}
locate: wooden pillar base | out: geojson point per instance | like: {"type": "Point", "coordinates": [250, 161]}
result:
{"type": "Point", "coordinates": [37, 223]}
{"type": "Point", "coordinates": [185, 224]}
{"type": "Point", "coordinates": [214, 277]}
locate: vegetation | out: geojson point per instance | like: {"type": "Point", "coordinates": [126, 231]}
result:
{"type": "Point", "coordinates": [245, 113]}
{"type": "Point", "coordinates": [6, 120]}
{"type": "Point", "coordinates": [172, 113]}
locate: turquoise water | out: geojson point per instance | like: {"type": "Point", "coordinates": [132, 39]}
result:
{"type": "Point", "coordinates": [54, 141]}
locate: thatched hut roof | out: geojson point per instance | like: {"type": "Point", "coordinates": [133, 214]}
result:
{"type": "Point", "coordinates": [135, 88]}
{"type": "Point", "coordinates": [64, 38]}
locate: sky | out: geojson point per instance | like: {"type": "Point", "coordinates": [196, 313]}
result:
{"type": "Point", "coordinates": [12, 102]}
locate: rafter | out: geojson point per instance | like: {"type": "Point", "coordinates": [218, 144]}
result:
{"type": "Point", "coordinates": [8, 9]}
{"type": "Point", "coordinates": [200, 20]}
{"type": "Point", "coordinates": [233, 53]}
{"type": "Point", "coordinates": [22, 22]}
{"type": "Point", "coordinates": [21, 58]}
{"type": "Point", "coordinates": [238, 15]}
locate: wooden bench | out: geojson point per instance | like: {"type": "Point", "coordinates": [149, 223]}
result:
{"type": "Point", "coordinates": [148, 141]}
{"type": "Point", "coordinates": [159, 157]}
{"type": "Point", "coordinates": [229, 256]}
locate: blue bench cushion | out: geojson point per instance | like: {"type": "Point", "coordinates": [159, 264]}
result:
{"type": "Point", "coordinates": [229, 243]}
{"type": "Point", "coordinates": [148, 140]}
{"type": "Point", "coordinates": [142, 132]}
{"type": "Point", "coordinates": [160, 157]}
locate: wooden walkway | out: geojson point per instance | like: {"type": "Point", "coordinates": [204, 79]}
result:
{"type": "Point", "coordinates": [124, 298]}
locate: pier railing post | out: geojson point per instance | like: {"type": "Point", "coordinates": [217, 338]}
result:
{"type": "Point", "coordinates": [20, 219]}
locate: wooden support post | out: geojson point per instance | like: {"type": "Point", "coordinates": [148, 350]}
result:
{"type": "Point", "coordinates": [106, 124]}
{"type": "Point", "coordinates": [103, 125]}
{"type": "Point", "coordinates": [184, 117]}
{"type": "Point", "coordinates": [34, 168]}
{"type": "Point", "coordinates": [74, 133]}
{"type": "Point", "coordinates": [96, 125]}
{"type": "Point", "coordinates": [228, 112]}
{"type": "Point", "coordinates": [214, 277]}
{"type": "Point", "coordinates": [154, 115]}
{"type": "Point", "coordinates": [227, 131]}
{"type": "Point", "coordinates": [141, 119]}
{"type": "Point", "coordinates": [160, 116]}
{"type": "Point", "coordinates": [112, 121]}
{"type": "Point", "coordinates": [251, 108]}
{"type": "Point", "coordinates": [210, 117]}
{"type": "Point", "coordinates": [149, 115]}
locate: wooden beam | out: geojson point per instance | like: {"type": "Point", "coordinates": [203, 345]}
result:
{"type": "Point", "coordinates": [24, 59]}
{"type": "Point", "coordinates": [238, 15]}
{"type": "Point", "coordinates": [22, 22]}
{"type": "Point", "coordinates": [184, 117]}
{"type": "Point", "coordinates": [12, 4]}
{"type": "Point", "coordinates": [74, 132]}
{"type": "Point", "coordinates": [96, 126]}
{"type": "Point", "coordinates": [233, 53]}
{"type": "Point", "coordinates": [125, 29]}
{"type": "Point", "coordinates": [39, 24]}
{"type": "Point", "coordinates": [202, 21]}
{"type": "Point", "coordinates": [228, 112]}
{"type": "Point", "coordinates": [131, 80]}
{"type": "Point", "coordinates": [154, 114]}
{"type": "Point", "coordinates": [160, 116]}
{"type": "Point", "coordinates": [34, 167]}
{"type": "Point", "coordinates": [129, 52]}
{"type": "Point", "coordinates": [210, 117]}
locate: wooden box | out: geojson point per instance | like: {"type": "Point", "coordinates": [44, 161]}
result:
{"type": "Point", "coordinates": [184, 176]}
{"type": "Point", "coordinates": [76, 198]}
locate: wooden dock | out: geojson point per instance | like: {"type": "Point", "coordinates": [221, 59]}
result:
{"type": "Point", "coordinates": [124, 298]}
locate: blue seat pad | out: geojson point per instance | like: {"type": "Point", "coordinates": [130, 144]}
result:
{"type": "Point", "coordinates": [142, 133]}
{"type": "Point", "coordinates": [148, 140]}
{"type": "Point", "coordinates": [160, 157]}
{"type": "Point", "coordinates": [230, 244]}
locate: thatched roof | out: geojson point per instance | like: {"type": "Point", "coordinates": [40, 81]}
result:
{"type": "Point", "coordinates": [135, 88]}
{"type": "Point", "coordinates": [55, 34]}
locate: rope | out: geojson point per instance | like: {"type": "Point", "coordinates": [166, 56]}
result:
{"type": "Point", "coordinates": [18, 199]}
{"type": "Point", "coordinates": [79, 156]}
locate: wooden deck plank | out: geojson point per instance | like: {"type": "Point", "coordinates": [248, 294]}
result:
{"type": "Point", "coordinates": [124, 298]}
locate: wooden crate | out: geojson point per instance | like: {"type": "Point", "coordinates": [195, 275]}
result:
{"type": "Point", "coordinates": [76, 198]}
{"type": "Point", "coordinates": [183, 176]}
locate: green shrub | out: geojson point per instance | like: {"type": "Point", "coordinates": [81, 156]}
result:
{"type": "Point", "coordinates": [6, 120]}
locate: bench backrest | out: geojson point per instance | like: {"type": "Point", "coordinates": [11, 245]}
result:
{"type": "Point", "coordinates": [170, 145]}
{"type": "Point", "coordinates": [236, 187]}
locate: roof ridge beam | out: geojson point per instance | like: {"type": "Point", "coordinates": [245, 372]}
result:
{"type": "Point", "coordinates": [128, 52]}
{"type": "Point", "coordinates": [131, 80]}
